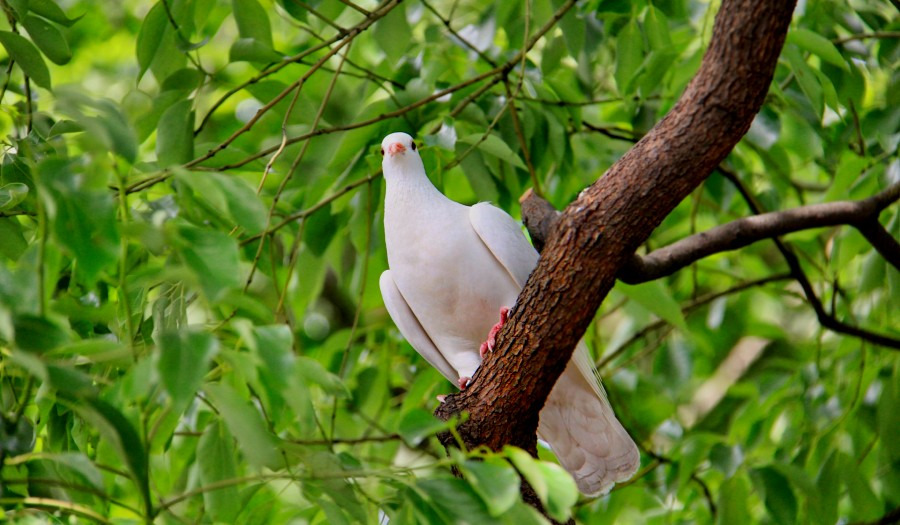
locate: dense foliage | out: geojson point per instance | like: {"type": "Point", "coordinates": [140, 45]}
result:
{"type": "Point", "coordinates": [191, 329]}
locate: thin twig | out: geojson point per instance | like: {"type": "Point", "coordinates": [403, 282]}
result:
{"type": "Point", "coordinates": [865, 36]}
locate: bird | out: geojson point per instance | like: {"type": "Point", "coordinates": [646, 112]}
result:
{"type": "Point", "coordinates": [455, 269]}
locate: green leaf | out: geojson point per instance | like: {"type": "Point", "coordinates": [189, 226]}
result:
{"type": "Point", "coordinates": [495, 481]}
{"type": "Point", "coordinates": [311, 371]}
{"type": "Point", "coordinates": [83, 217]}
{"type": "Point", "coordinates": [252, 21]}
{"type": "Point", "coordinates": [553, 485]}
{"type": "Point", "coordinates": [175, 135]}
{"type": "Point", "coordinates": [27, 57]}
{"type": "Point", "coordinates": [81, 464]}
{"type": "Point", "coordinates": [572, 26]}
{"type": "Point", "coordinates": [824, 507]}
{"type": "Point", "coordinates": [12, 241]}
{"type": "Point", "coordinates": [656, 298]}
{"type": "Point", "coordinates": [274, 345]}
{"type": "Point", "coordinates": [456, 500]}
{"type": "Point", "coordinates": [866, 505]}
{"type": "Point", "coordinates": [246, 425]}
{"type": "Point", "coordinates": [150, 36]}
{"type": "Point", "coordinates": [212, 256]}
{"type": "Point", "coordinates": [185, 79]}
{"type": "Point", "coordinates": [119, 433]}
{"type": "Point", "coordinates": [418, 424]}
{"type": "Point", "coordinates": [48, 38]}
{"type": "Point", "coordinates": [38, 334]}
{"type": "Point", "coordinates": [848, 171]}
{"type": "Point", "coordinates": [818, 45]}
{"type": "Point", "coordinates": [321, 227]}
{"type": "Point", "coordinates": [49, 10]}
{"type": "Point", "coordinates": [227, 193]}
{"type": "Point", "coordinates": [733, 502]}
{"type": "Point", "coordinates": [780, 499]}
{"type": "Point", "coordinates": [494, 145]}
{"type": "Point", "coordinates": [629, 55]}
{"type": "Point", "coordinates": [657, 30]}
{"type": "Point", "coordinates": [183, 362]}
{"type": "Point", "coordinates": [807, 79]}
{"type": "Point", "coordinates": [216, 459]}
{"type": "Point", "coordinates": [393, 34]}
{"type": "Point", "coordinates": [252, 50]}
{"type": "Point", "coordinates": [12, 194]}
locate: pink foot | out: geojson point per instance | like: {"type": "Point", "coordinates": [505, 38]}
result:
{"type": "Point", "coordinates": [488, 346]}
{"type": "Point", "coordinates": [463, 382]}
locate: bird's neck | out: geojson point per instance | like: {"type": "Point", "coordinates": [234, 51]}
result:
{"type": "Point", "coordinates": [408, 189]}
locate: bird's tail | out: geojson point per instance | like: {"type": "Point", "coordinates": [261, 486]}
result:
{"type": "Point", "coordinates": [581, 428]}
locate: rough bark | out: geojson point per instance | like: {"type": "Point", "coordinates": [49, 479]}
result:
{"type": "Point", "coordinates": [540, 217]}
{"type": "Point", "coordinates": [600, 231]}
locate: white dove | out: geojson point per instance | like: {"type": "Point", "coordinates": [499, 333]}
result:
{"type": "Point", "coordinates": [452, 269]}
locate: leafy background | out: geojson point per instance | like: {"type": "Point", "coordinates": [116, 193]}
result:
{"type": "Point", "coordinates": [190, 241]}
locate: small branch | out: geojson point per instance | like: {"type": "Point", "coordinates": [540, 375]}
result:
{"type": "Point", "coordinates": [880, 239]}
{"type": "Point", "coordinates": [825, 319]}
{"type": "Point", "coordinates": [456, 35]}
{"type": "Point", "coordinates": [370, 19]}
{"type": "Point", "coordinates": [540, 217]}
{"type": "Point", "coordinates": [686, 310]}
{"type": "Point", "coordinates": [320, 16]}
{"type": "Point", "coordinates": [742, 232]}
{"type": "Point", "coordinates": [865, 36]}
{"type": "Point", "coordinates": [16, 213]}
{"type": "Point", "coordinates": [613, 133]}
{"type": "Point", "coordinates": [356, 7]}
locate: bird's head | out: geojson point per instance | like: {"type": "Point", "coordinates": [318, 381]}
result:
{"type": "Point", "coordinates": [400, 153]}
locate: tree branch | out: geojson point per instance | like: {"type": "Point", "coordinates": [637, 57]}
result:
{"type": "Point", "coordinates": [827, 320]}
{"type": "Point", "coordinates": [598, 232]}
{"type": "Point", "coordinates": [742, 232]}
{"type": "Point", "coordinates": [540, 217]}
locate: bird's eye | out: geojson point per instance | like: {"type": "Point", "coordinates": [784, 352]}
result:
{"type": "Point", "coordinates": [382, 152]}
{"type": "Point", "coordinates": [413, 145]}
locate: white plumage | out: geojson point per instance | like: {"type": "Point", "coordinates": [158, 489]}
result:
{"type": "Point", "coordinates": [452, 267]}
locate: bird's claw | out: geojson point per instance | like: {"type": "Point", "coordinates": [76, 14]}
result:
{"type": "Point", "coordinates": [488, 346]}
{"type": "Point", "coordinates": [463, 382]}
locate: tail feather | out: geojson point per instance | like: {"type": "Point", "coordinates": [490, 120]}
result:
{"type": "Point", "coordinates": [581, 428]}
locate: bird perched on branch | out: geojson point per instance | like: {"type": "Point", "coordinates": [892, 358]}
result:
{"type": "Point", "coordinates": [453, 270]}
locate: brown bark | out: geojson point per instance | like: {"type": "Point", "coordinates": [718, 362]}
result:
{"type": "Point", "coordinates": [540, 217]}
{"type": "Point", "coordinates": [598, 232]}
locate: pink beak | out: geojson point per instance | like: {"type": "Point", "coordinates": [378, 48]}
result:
{"type": "Point", "coordinates": [395, 148]}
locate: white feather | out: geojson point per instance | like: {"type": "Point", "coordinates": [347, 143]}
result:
{"type": "Point", "coordinates": [452, 268]}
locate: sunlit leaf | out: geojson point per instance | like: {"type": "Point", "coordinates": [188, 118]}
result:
{"type": "Point", "coordinates": [246, 425]}
{"type": "Point", "coordinates": [216, 458]}
{"type": "Point", "coordinates": [27, 57]}
{"type": "Point", "coordinates": [252, 21]}
{"type": "Point", "coordinates": [175, 134]}
{"type": "Point", "coordinates": [150, 36]}
{"type": "Point", "coordinates": [656, 298]}
{"type": "Point", "coordinates": [48, 38]}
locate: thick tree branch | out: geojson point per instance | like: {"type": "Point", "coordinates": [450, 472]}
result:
{"type": "Point", "coordinates": [540, 217]}
{"type": "Point", "coordinates": [598, 232]}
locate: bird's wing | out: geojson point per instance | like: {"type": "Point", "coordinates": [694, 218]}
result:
{"type": "Point", "coordinates": [410, 327]}
{"type": "Point", "coordinates": [504, 238]}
